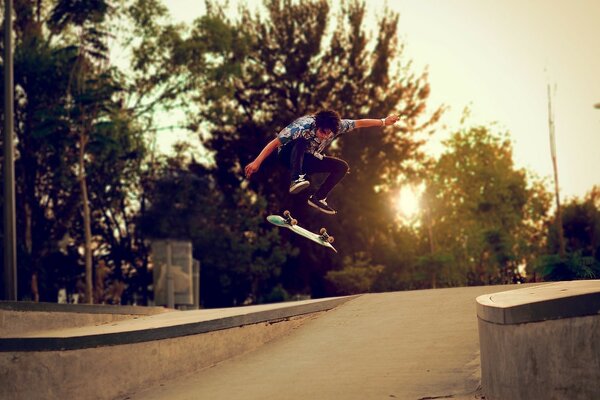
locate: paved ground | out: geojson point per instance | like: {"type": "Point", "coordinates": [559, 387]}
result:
{"type": "Point", "coordinates": [403, 345]}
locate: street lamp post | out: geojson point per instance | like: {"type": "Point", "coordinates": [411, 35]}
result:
{"type": "Point", "coordinates": [559, 226]}
{"type": "Point", "coordinates": [10, 243]}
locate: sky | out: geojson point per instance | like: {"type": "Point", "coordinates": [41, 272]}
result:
{"type": "Point", "coordinates": [498, 58]}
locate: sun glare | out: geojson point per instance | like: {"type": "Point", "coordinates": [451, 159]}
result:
{"type": "Point", "coordinates": [407, 202]}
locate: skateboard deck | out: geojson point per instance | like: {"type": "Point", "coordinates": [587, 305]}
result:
{"type": "Point", "coordinates": [287, 221]}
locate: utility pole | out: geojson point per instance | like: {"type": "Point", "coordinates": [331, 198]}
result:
{"type": "Point", "coordinates": [559, 225]}
{"type": "Point", "coordinates": [432, 248]}
{"type": "Point", "coordinates": [10, 242]}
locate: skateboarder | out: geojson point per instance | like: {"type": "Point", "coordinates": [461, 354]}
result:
{"type": "Point", "coordinates": [300, 148]}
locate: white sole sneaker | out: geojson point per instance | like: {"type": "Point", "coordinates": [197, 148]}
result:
{"type": "Point", "coordinates": [299, 186]}
{"type": "Point", "coordinates": [315, 205]}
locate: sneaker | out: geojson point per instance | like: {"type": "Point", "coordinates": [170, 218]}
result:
{"type": "Point", "coordinates": [299, 185]}
{"type": "Point", "coordinates": [321, 205]}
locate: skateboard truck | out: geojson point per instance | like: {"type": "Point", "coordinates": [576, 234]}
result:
{"type": "Point", "coordinates": [325, 236]}
{"type": "Point", "coordinates": [288, 218]}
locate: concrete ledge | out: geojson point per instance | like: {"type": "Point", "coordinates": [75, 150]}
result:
{"type": "Point", "coordinates": [145, 350]}
{"type": "Point", "coordinates": [540, 303]}
{"type": "Point", "coordinates": [17, 318]}
{"type": "Point", "coordinates": [26, 306]}
{"type": "Point", "coordinates": [541, 342]}
{"type": "Point", "coordinates": [163, 326]}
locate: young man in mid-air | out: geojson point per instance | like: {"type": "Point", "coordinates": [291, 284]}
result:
{"type": "Point", "coordinates": [301, 145]}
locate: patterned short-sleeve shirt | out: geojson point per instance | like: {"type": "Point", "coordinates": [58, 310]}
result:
{"type": "Point", "coordinates": [306, 127]}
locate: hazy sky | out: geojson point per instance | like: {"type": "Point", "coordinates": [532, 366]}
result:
{"type": "Point", "coordinates": [497, 57]}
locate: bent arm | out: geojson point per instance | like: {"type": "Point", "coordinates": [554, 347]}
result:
{"type": "Point", "coordinates": [269, 148]}
{"type": "Point", "coordinates": [266, 152]}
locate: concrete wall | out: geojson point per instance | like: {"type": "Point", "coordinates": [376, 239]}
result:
{"type": "Point", "coordinates": [551, 360]}
{"type": "Point", "coordinates": [111, 360]}
{"type": "Point", "coordinates": [113, 372]}
{"type": "Point", "coordinates": [541, 342]}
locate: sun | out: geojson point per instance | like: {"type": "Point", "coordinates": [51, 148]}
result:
{"type": "Point", "coordinates": [407, 202]}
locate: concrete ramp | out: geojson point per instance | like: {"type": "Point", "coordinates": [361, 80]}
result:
{"type": "Point", "coordinates": [404, 345]}
{"type": "Point", "coordinates": [108, 361]}
{"type": "Point", "coordinates": [418, 345]}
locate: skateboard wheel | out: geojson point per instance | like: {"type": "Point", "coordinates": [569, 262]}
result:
{"type": "Point", "coordinates": [330, 239]}
{"type": "Point", "coordinates": [286, 213]}
{"type": "Point", "coordinates": [294, 222]}
{"type": "Point", "coordinates": [323, 231]}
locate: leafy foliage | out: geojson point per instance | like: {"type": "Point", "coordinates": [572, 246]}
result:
{"type": "Point", "coordinates": [239, 259]}
{"type": "Point", "coordinates": [572, 267]}
{"type": "Point", "coordinates": [241, 78]}
{"type": "Point", "coordinates": [270, 69]}
{"type": "Point", "coordinates": [581, 227]}
{"type": "Point", "coordinates": [66, 99]}
{"type": "Point", "coordinates": [480, 208]}
{"type": "Point", "coordinates": [357, 276]}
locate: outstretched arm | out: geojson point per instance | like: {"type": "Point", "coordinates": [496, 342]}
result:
{"type": "Point", "coordinates": [266, 152]}
{"type": "Point", "coordinates": [366, 123]}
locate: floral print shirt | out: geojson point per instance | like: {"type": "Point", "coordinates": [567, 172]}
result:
{"type": "Point", "coordinates": [305, 127]}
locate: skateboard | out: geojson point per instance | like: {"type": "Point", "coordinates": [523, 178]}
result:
{"type": "Point", "coordinates": [323, 238]}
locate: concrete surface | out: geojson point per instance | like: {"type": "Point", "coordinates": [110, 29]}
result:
{"type": "Point", "coordinates": [404, 345]}
{"type": "Point", "coordinates": [17, 318]}
{"type": "Point", "coordinates": [554, 360]}
{"type": "Point", "coordinates": [28, 306]}
{"type": "Point", "coordinates": [541, 342]}
{"type": "Point", "coordinates": [127, 355]}
{"type": "Point", "coordinates": [162, 326]}
{"type": "Point", "coordinates": [541, 302]}
{"type": "Point", "coordinates": [111, 372]}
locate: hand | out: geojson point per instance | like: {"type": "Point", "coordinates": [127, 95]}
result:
{"type": "Point", "coordinates": [251, 168]}
{"type": "Point", "coordinates": [391, 119]}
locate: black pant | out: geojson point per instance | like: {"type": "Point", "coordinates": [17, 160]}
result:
{"type": "Point", "coordinates": [293, 155]}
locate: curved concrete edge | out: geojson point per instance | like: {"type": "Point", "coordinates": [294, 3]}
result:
{"type": "Point", "coordinates": [19, 323]}
{"type": "Point", "coordinates": [124, 363]}
{"type": "Point", "coordinates": [26, 306]}
{"type": "Point", "coordinates": [18, 318]}
{"type": "Point", "coordinates": [541, 342]}
{"type": "Point", "coordinates": [112, 372]}
{"type": "Point", "coordinates": [540, 303]}
{"type": "Point", "coordinates": [95, 337]}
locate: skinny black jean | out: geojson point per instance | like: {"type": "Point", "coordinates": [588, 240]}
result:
{"type": "Point", "coordinates": [294, 156]}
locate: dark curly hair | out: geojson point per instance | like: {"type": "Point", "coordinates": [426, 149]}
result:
{"type": "Point", "coordinates": [328, 119]}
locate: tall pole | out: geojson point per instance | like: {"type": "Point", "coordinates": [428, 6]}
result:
{"type": "Point", "coordinates": [559, 225]}
{"type": "Point", "coordinates": [10, 242]}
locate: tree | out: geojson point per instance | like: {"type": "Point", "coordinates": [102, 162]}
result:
{"type": "Point", "coordinates": [90, 91]}
{"type": "Point", "coordinates": [240, 260]}
{"type": "Point", "coordinates": [66, 92]}
{"type": "Point", "coordinates": [115, 182]}
{"type": "Point", "coordinates": [268, 70]}
{"type": "Point", "coordinates": [157, 78]}
{"type": "Point", "coordinates": [109, 110]}
{"type": "Point", "coordinates": [45, 153]}
{"type": "Point", "coordinates": [357, 276]}
{"type": "Point", "coordinates": [481, 209]}
{"type": "Point", "coordinates": [581, 227]}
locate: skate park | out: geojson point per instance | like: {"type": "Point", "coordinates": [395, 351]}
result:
{"type": "Point", "coordinates": [496, 342]}
{"type": "Point", "coordinates": [127, 123]}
